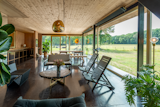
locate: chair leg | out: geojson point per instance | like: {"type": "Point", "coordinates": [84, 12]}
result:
{"type": "Point", "coordinates": [94, 87]}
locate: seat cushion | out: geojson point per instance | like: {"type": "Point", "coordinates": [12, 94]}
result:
{"type": "Point", "coordinates": [82, 69]}
{"type": "Point", "coordinates": [60, 102]}
{"type": "Point", "coordinates": [67, 62]}
{"type": "Point", "coordinates": [49, 63]}
{"type": "Point", "coordinates": [74, 102]}
{"type": "Point", "coordinates": [20, 71]}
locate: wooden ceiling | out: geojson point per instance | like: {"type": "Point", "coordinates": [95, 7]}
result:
{"type": "Point", "coordinates": [77, 15]}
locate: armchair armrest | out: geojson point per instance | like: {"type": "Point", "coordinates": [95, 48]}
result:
{"type": "Point", "coordinates": [45, 61]}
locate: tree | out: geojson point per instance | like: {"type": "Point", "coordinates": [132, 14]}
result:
{"type": "Point", "coordinates": [105, 34]}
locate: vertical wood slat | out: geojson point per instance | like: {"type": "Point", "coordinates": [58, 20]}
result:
{"type": "Point", "coordinates": [140, 36]}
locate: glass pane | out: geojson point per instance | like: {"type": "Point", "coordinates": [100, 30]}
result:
{"type": "Point", "coordinates": [120, 43]}
{"type": "Point", "coordinates": [47, 39]}
{"type": "Point", "coordinates": [55, 44]}
{"type": "Point", "coordinates": [88, 44]}
{"type": "Point", "coordinates": [156, 33]}
{"type": "Point", "coordinates": [63, 43]}
{"type": "Point", "coordinates": [76, 43]}
{"type": "Point", "coordinates": [67, 43]}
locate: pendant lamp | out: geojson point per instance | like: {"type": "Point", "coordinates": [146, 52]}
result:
{"type": "Point", "coordinates": [58, 25]}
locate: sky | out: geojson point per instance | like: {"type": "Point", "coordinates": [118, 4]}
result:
{"type": "Point", "coordinates": [131, 25]}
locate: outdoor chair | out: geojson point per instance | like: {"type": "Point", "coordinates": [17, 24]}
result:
{"type": "Point", "coordinates": [64, 57]}
{"type": "Point", "coordinates": [18, 76]}
{"type": "Point", "coordinates": [98, 76]}
{"type": "Point", "coordinates": [89, 64]}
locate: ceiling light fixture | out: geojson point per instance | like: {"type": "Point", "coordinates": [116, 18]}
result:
{"type": "Point", "coordinates": [58, 25]}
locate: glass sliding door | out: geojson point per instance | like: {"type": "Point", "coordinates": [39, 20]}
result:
{"type": "Point", "coordinates": [63, 43]}
{"type": "Point", "coordinates": [47, 39]}
{"type": "Point", "coordinates": [76, 43]}
{"type": "Point", "coordinates": [55, 44]}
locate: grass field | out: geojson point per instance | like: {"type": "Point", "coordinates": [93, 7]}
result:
{"type": "Point", "coordinates": [124, 56]}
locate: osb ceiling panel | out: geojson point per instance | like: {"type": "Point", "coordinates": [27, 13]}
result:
{"type": "Point", "coordinates": [77, 15]}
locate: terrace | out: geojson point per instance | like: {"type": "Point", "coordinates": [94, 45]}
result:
{"type": "Point", "coordinates": [118, 29]}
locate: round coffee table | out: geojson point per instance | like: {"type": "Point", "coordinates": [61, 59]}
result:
{"type": "Point", "coordinates": [54, 76]}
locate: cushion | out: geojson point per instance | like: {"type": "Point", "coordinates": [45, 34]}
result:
{"type": "Point", "coordinates": [60, 102]}
{"type": "Point", "coordinates": [64, 57]}
{"type": "Point", "coordinates": [49, 63]}
{"type": "Point", "coordinates": [82, 69]}
{"type": "Point", "coordinates": [67, 62]}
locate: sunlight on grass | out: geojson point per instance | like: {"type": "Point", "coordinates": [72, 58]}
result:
{"type": "Point", "coordinates": [124, 56]}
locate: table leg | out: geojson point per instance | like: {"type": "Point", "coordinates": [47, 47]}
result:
{"type": "Point", "coordinates": [64, 80]}
{"type": "Point", "coordinates": [59, 80]}
{"type": "Point", "coordinates": [82, 61]}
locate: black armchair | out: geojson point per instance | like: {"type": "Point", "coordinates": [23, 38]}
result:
{"type": "Point", "coordinates": [18, 76]}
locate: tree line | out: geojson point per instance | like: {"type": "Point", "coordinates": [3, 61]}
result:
{"type": "Point", "coordinates": [130, 38]}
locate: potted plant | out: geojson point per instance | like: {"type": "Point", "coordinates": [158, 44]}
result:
{"type": "Point", "coordinates": [145, 86]}
{"type": "Point", "coordinates": [5, 43]}
{"type": "Point", "coordinates": [46, 48]}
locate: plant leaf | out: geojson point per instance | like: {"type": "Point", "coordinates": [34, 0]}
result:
{"type": "Point", "coordinates": [4, 74]}
{"type": "Point", "coordinates": [5, 44]}
{"type": "Point", "coordinates": [5, 68]}
{"type": "Point", "coordinates": [3, 35]}
{"type": "Point", "coordinates": [9, 28]}
{"type": "Point", "coordinates": [2, 56]}
{"type": "Point", "coordinates": [0, 19]}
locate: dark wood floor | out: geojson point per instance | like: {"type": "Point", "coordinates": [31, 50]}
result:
{"type": "Point", "coordinates": [37, 87]}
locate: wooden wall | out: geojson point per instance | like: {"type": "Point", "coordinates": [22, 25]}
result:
{"type": "Point", "coordinates": [29, 40]}
{"type": "Point", "coordinates": [19, 39]}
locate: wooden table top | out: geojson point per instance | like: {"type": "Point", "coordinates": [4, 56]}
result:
{"type": "Point", "coordinates": [71, 51]}
{"type": "Point", "coordinates": [52, 73]}
{"type": "Point", "coordinates": [78, 56]}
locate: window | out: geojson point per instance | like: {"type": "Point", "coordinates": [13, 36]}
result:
{"type": "Point", "coordinates": [76, 43]}
{"type": "Point", "coordinates": [88, 43]}
{"type": "Point", "coordinates": [120, 43]}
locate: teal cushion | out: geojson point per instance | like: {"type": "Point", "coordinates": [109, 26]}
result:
{"type": "Point", "coordinates": [61, 102]}
{"type": "Point", "coordinates": [73, 102]}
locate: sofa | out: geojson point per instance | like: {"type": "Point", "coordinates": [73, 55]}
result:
{"type": "Point", "coordinates": [60, 102]}
{"type": "Point", "coordinates": [64, 57]}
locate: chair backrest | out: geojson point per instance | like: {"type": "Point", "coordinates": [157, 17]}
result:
{"type": "Point", "coordinates": [103, 63]}
{"type": "Point", "coordinates": [64, 57]}
{"type": "Point", "coordinates": [91, 61]}
{"type": "Point", "coordinates": [12, 67]}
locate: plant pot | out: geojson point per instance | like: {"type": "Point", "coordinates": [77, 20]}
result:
{"type": "Point", "coordinates": [45, 54]}
{"type": "Point", "coordinates": [3, 91]}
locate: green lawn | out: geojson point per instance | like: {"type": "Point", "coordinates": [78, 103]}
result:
{"type": "Point", "coordinates": [124, 56]}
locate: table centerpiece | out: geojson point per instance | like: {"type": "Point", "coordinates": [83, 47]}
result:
{"type": "Point", "coordinates": [58, 63]}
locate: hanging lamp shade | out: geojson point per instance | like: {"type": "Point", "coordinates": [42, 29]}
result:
{"type": "Point", "coordinates": [76, 41]}
{"type": "Point", "coordinates": [58, 26]}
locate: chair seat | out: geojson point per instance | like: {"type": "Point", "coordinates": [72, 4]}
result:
{"type": "Point", "coordinates": [49, 63]}
{"type": "Point", "coordinates": [88, 78]}
{"type": "Point", "coordinates": [67, 62]}
{"type": "Point", "coordinates": [83, 69]}
{"type": "Point", "coordinates": [20, 72]}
